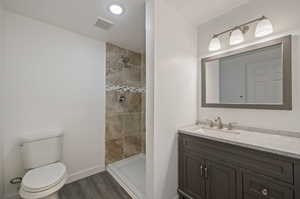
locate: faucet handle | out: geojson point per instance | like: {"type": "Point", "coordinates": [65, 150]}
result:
{"type": "Point", "coordinates": [230, 125]}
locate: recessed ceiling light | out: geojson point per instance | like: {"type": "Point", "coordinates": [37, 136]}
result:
{"type": "Point", "coordinates": [116, 9]}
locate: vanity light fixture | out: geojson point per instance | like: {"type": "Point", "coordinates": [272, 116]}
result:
{"type": "Point", "coordinates": [116, 9]}
{"type": "Point", "coordinates": [264, 27]}
{"type": "Point", "coordinates": [215, 44]}
{"type": "Point", "coordinates": [236, 37]}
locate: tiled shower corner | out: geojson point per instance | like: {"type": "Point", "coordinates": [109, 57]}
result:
{"type": "Point", "coordinates": [125, 103]}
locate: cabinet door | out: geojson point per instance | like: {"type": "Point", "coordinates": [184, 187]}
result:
{"type": "Point", "coordinates": [193, 176]}
{"type": "Point", "coordinates": [259, 187]}
{"type": "Point", "coordinates": [220, 181]}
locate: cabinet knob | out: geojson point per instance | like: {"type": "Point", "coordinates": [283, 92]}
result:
{"type": "Point", "coordinates": [264, 192]}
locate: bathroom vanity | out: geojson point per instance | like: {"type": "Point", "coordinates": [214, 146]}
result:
{"type": "Point", "coordinates": [238, 164]}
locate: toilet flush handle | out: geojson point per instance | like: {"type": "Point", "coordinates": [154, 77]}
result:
{"type": "Point", "coordinates": [16, 180]}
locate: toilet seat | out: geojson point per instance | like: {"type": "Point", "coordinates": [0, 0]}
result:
{"type": "Point", "coordinates": [43, 181]}
{"type": "Point", "coordinates": [43, 178]}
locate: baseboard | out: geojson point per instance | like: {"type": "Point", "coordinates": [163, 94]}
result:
{"type": "Point", "coordinates": [85, 173]}
{"type": "Point", "coordinates": [12, 196]}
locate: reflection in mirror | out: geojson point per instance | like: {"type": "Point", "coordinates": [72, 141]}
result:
{"type": "Point", "coordinates": [254, 77]}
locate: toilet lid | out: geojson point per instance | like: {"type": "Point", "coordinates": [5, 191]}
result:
{"type": "Point", "coordinates": [44, 177]}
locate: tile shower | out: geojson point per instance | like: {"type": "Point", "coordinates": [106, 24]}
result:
{"type": "Point", "coordinates": [125, 119]}
{"type": "Point", "coordinates": [125, 103]}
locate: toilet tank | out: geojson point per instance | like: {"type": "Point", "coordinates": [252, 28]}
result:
{"type": "Point", "coordinates": [42, 148]}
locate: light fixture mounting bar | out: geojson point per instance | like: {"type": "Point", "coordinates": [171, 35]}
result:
{"type": "Point", "coordinates": [239, 26]}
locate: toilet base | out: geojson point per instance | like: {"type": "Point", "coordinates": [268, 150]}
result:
{"type": "Point", "coordinates": [52, 196]}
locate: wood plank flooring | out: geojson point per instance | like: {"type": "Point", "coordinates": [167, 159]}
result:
{"type": "Point", "coordinates": [99, 186]}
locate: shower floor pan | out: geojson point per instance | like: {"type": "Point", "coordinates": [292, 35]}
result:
{"type": "Point", "coordinates": [130, 174]}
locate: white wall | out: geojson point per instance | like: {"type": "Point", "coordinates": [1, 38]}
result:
{"type": "Point", "coordinates": [53, 79]}
{"type": "Point", "coordinates": [175, 80]}
{"type": "Point", "coordinates": [1, 67]}
{"type": "Point", "coordinates": [284, 15]}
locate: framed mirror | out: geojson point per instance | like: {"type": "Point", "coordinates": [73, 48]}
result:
{"type": "Point", "coordinates": [255, 77]}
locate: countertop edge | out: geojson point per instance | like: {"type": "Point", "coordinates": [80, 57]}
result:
{"type": "Point", "coordinates": [241, 144]}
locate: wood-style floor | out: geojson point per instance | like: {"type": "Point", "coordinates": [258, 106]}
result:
{"type": "Point", "coordinates": [99, 186]}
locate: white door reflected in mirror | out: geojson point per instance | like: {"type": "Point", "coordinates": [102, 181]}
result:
{"type": "Point", "coordinates": [254, 77]}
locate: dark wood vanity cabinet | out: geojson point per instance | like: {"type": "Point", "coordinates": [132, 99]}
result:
{"type": "Point", "coordinates": [193, 178]}
{"type": "Point", "coordinates": [203, 179]}
{"type": "Point", "coordinates": [220, 181]}
{"type": "Point", "coordinates": [215, 170]}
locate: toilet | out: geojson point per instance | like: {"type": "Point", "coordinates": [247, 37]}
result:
{"type": "Point", "coordinates": [45, 174]}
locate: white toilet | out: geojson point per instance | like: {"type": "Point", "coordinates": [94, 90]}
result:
{"type": "Point", "coordinates": [45, 175]}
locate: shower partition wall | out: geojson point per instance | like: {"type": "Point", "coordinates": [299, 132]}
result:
{"type": "Point", "coordinates": [125, 103]}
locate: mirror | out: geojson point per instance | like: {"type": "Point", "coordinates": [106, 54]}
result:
{"type": "Point", "coordinates": [256, 77]}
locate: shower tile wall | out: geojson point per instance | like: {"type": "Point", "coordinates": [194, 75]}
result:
{"type": "Point", "coordinates": [125, 121]}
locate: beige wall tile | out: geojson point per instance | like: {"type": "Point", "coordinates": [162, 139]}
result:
{"type": "Point", "coordinates": [135, 58]}
{"type": "Point", "coordinates": [114, 127]}
{"type": "Point", "coordinates": [114, 151]}
{"type": "Point", "coordinates": [132, 124]}
{"type": "Point", "coordinates": [125, 122]}
{"type": "Point", "coordinates": [132, 145]}
{"type": "Point", "coordinates": [134, 102]}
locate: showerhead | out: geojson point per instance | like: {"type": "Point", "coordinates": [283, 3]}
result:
{"type": "Point", "coordinates": [125, 60]}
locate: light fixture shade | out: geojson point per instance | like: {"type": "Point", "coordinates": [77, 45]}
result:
{"type": "Point", "coordinates": [236, 37]}
{"type": "Point", "coordinates": [263, 28]}
{"type": "Point", "coordinates": [214, 44]}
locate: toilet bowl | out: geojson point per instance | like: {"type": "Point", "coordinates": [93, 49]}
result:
{"type": "Point", "coordinates": [44, 182]}
{"type": "Point", "coordinates": [45, 174]}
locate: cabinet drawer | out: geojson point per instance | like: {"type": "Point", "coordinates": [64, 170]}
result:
{"type": "Point", "coordinates": [257, 187]}
{"type": "Point", "coordinates": [265, 163]}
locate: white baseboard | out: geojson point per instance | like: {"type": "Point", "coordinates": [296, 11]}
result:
{"type": "Point", "coordinates": [85, 173]}
{"type": "Point", "coordinates": [12, 196]}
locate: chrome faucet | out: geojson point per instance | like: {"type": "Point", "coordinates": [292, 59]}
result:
{"type": "Point", "coordinates": [219, 123]}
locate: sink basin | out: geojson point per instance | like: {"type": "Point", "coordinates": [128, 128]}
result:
{"type": "Point", "coordinates": [205, 129]}
{"type": "Point", "coordinates": [215, 130]}
{"type": "Point", "coordinates": [193, 128]}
